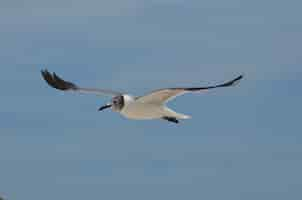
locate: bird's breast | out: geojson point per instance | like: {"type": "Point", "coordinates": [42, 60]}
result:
{"type": "Point", "coordinates": [138, 110]}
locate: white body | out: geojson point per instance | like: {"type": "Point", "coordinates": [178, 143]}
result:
{"type": "Point", "coordinates": [142, 111]}
{"type": "Point", "coordinates": [150, 106]}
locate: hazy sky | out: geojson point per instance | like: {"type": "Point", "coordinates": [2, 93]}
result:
{"type": "Point", "coordinates": [243, 143]}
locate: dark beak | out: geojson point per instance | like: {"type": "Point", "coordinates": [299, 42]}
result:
{"type": "Point", "coordinates": [105, 107]}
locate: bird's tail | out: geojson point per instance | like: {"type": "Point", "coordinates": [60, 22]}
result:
{"type": "Point", "coordinates": [171, 113]}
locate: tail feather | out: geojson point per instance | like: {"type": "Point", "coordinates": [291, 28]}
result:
{"type": "Point", "coordinates": [171, 113]}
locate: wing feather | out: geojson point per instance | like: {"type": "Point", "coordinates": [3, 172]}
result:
{"type": "Point", "coordinates": [164, 95]}
{"type": "Point", "coordinates": [57, 82]}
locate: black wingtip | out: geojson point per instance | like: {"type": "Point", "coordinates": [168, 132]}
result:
{"type": "Point", "coordinates": [44, 72]}
{"type": "Point", "coordinates": [55, 81]}
{"type": "Point", "coordinates": [232, 82]}
{"type": "Point", "coordinates": [236, 80]}
{"type": "Point", "coordinates": [239, 77]}
{"type": "Point", "coordinates": [227, 84]}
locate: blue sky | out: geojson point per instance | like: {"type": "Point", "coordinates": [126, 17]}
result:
{"type": "Point", "coordinates": [242, 143]}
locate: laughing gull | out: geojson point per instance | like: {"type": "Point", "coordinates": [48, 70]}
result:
{"type": "Point", "coordinates": [150, 106]}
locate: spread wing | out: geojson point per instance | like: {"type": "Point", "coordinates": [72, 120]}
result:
{"type": "Point", "coordinates": [56, 82]}
{"type": "Point", "coordinates": [164, 95]}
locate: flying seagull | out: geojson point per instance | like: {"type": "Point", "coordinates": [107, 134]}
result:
{"type": "Point", "coordinates": [150, 106]}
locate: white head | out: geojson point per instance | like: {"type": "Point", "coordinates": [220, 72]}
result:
{"type": "Point", "coordinates": [117, 103]}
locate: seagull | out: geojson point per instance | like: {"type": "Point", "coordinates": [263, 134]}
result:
{"type": "Point", "coordinates": [147, 107]}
